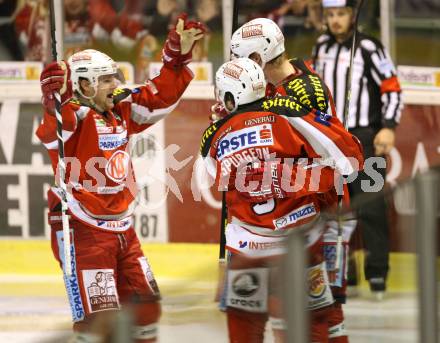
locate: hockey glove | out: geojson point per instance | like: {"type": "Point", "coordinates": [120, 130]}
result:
{"type": "Point", "coordinates": [55, 78]}
{"type": "Point", "coordinates": [218, 111]}
{"type": "Point", "coordinates": [178, 47]}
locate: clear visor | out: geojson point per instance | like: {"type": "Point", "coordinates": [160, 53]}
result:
{"type": "Point", "coordinates": [108, 80]}
{"type": "Point", "coordinates": [120, 76]}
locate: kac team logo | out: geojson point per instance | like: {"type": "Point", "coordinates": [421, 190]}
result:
{"type": "Point", "coordinates": [117, 166]}
{"type": "Point", "coordinates": [249, 137]}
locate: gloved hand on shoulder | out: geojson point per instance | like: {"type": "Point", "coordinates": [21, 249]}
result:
{"type": "Point", "coordinates": [218, 112]}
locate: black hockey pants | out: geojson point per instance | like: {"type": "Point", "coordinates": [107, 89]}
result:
{"type": "Point", "coordinates": [372, 215]}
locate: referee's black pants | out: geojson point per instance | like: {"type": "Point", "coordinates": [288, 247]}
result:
{"type": "Point", "coordinates": [372, 215]}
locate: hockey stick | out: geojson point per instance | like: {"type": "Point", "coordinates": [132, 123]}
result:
{"type": "Point", "coordinates": [221, 289]}
{"type": "Point", "coordinates": [345, 123]}
{"type": "Point", "coordinates": [61, 163]}
{"type": "Point", "coordinates": [350, 67]}
{"type": "Point", "coordinates": [224, 212]}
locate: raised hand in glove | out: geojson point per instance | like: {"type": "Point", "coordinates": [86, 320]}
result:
{"type": "Point", "coordinates": [259, 182]}
{"type": "Point", "coordinates": [55, 78]}
{"type": "Point", "coordinates": [178, 47]}
{"type": "Point", "coordinates": [218, 111]}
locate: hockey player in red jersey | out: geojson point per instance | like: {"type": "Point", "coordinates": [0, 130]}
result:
{"type": "Point", "coordinates": [108, 265]}
{"type": "Point", "coordinates": [262, 41]}
{"type": "Point", "coordinates": [87, 22]}
{"type": "Point", "coordinates": [292, 156]}
{"type": "Point", "coordinates": [31, 26]}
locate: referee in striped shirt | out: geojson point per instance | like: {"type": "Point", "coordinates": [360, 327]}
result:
{"type": "Point", "coordinates": [374, 112]}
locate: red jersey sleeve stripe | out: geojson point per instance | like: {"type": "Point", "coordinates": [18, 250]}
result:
{"type": "Point", "coordinates": [322, 145]}
{"type": "Point", "coordinates": [390, 85]}
{"type": "Point", "coordinates": [143, 115]}
{"type": "Point", "coordinates": [54, 143]}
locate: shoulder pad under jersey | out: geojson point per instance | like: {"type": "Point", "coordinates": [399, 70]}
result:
{"type": "Point", "coordinates": [209, 134]}
{"type": "Point", "coordinates": [120, 94]}
{"type": "Point", "coordinates": [301, 65]}
{"type": "Point", "coordinates": [281, 105]}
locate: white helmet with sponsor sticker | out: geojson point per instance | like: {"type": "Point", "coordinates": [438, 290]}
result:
{"type": "Point", "coordinates": [90, 64]}
{"type": "Point", "coordinates": [338, 3]}
{"type": "Point", "coordinates": [260, 35]}
{"type": "Point", "coordinates": [243, 79]}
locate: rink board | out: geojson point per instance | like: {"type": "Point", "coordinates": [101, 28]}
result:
{"type": "Point", "coordinates": [30, 262]}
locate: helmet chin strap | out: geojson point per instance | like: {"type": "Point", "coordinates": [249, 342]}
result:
{"type": "Point", "coordinates": [85, 96]}
{"type": "Point", "coordinates": [89, 100]}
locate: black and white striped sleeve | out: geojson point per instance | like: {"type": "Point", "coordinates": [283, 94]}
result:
{"type": "Point", "coordinates": [384, 75]}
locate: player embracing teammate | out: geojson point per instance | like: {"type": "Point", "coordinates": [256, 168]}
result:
{"type": "Point", "coordinates": [292, 153]}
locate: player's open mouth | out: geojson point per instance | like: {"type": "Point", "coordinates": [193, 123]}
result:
{"type": "Point", "coordinates": [110, 96]}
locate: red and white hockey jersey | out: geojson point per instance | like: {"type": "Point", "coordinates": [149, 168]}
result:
{"type": "Point", "coordinates": [32, 29]}
{"type": "Point", "coordinates": [86, 23]}
{"type": "Point", "coordinates": [280, 127]}
{"type": "Point", "coordinates": [98, 160]}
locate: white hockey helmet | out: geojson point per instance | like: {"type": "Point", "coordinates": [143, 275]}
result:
{"type": "Point", "coordinates": [243, 79]}
{"type": "Point", "coordinates": [338, 3]}
{"type": "Point", "coordinates": [90, 64]}
{"type": "Point", "coordinates": [260, 35]}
